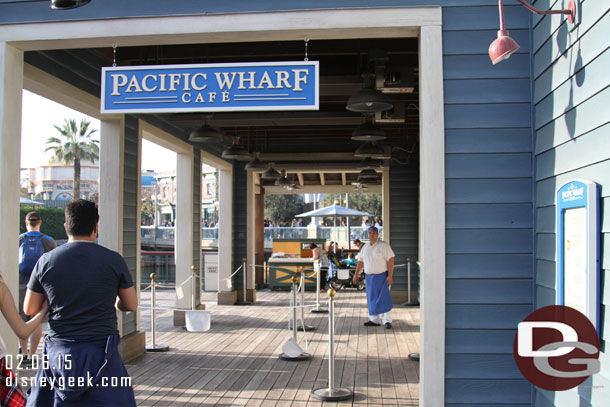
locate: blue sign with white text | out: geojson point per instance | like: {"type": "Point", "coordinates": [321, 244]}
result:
{"type": "Point", "coordinates": [211, 87]}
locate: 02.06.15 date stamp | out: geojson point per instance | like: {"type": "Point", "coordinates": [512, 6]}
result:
{"type": "Point", "coordinates": [20, 361]}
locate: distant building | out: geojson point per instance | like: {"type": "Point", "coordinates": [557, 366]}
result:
{"type": "Point", "coordinates": [53, 182]}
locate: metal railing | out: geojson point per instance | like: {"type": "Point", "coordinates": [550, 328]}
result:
{"type": "Point", "coordinates": [164, 235]}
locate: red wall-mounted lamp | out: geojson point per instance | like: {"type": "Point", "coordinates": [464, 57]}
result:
{"type": "Point", "coordinates": [504, 46]}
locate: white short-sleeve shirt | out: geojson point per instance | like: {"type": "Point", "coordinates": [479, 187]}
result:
{"type": "Point", "coordinates": [375, 257]}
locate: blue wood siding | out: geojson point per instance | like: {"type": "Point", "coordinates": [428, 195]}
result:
{"type": "Point", "coordinates": [489, 206]}
{"type": "Point", "coordinates": [131, 197]}
{"type": "Point", "coordinates": [571, 97]}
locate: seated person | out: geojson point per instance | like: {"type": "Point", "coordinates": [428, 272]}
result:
{"type": "Point", "coordinates": [350, 261]}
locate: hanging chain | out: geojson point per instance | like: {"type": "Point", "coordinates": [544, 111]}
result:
{"type": "Point", "coordinates": [114, 55]}
{"type": "Point", "coordinates": [306, 43]}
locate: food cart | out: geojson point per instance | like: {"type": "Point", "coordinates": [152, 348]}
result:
{"type": "Point", "coordinates": [290, 257]}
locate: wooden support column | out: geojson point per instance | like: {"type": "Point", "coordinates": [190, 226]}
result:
{"type": "Point", "coordinates": [11, 84]}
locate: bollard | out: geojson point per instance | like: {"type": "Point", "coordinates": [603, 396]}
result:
{"type": "Point", "coordinates": [303, 326]}
{"type": "Point", "coordinates": [331, 393]}
{"type": "Point", "coordinates": [292, 322]}
{"type": "Point", "coordinates": [244, 270]}
{"type": "Point", "coordinates": [154, 347]}
{"type": "Point", "coordinates": [409, 280]}
{"type": "Point", "coordinates": [317, 309]}
{"type": "Point", "coordinates": [193, 281]}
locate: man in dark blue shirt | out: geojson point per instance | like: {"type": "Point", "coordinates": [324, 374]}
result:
{"type": "Point", "coordinates": [83, 282]}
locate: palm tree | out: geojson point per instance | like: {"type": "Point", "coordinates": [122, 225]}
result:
{"type": "Point", "coordinates": [74, 146]}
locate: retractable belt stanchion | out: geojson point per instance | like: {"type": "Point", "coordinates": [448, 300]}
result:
{"type": "Point", "coordinates": [244, 270]}
{"type": "Point", "coordinates": [154, 347]}
{"type": "Point", "coordinates": [331, 393]}
{"type": "Point", "coordinates": [304, 326]}
{"type": "Point", "coordinates": [193, 281]}
{"type": "Point", "coordinates": [292, 351]}
{"type": "Point", "coordinates": [317, 309]}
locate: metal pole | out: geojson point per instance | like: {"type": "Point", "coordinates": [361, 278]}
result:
{"type": "Point", "coordinates": [331, 344]}
{"type": "Point", "coordinates": [331, 393]}
{"type": "Point", "coordinates": [318, 269]}
{"type": "Point", "coordinates": [293, 297]}
{"type": "Point", "coordinates": [244, 270]}
{"type": "Point", "coordinates": [193, 274]}
{"type": "Point", "coordinates": [409, 280]}
{"type": "Point", "coordinates": [155, 347]}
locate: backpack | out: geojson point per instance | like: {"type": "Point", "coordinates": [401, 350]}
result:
{"type": "Point", "coordinates": [30, 251]}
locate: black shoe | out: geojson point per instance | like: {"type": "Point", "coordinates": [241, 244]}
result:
{"type": "Point", "coordinates": [388, 325]}
{"type": "Point", "coordinates": [371, 323]}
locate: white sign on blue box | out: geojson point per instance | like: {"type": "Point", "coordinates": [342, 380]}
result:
{"type": "Point", "coordinates": [211, 87]}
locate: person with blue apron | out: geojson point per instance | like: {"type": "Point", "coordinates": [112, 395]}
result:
{"type": "Point", "coordinates": [377, 258]}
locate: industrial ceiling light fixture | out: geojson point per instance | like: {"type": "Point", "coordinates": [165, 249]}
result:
{"type": "Point", "coordinates": [368, 131]}
{"type": "Point", "coordinates": [504, 46]}
{"type": "Point", "coordinates": [205, 133]}
{"type": "Point", "coordinates": [369, 164]}
{"type": "Point", "coordinates": [369, 150]}
{"type": "Point", "coordinates": [368, 99]}
{"type": "Point", "coordinates": [368, 174]}
{"type": "Point", "coordinates": [255, 164]}
{"type": "Point", "coordinates": [236, 151]}
{"type": "Point", "coordinates": [67, 4]}
{"type": "Point", "coordinates": [283, 180]}
{"type": "Point", "coordinates": [270, 173]}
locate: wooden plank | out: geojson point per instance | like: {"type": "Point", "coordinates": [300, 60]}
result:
{"type": "Point", "coordinates": [545, 273]}
{"type": "Point", "coordinates": [474, 392]}
{"type": "Point", "coordinates": [480, 67]}
{"type": "Point", "coordinates": [501, 140]}
{"type": "Point", "coordinates": [488, 191]}
{"type": "Point", "coordinates": [591, 147]}
{"type": "Point", "coordinates": [479, 341]}
{"type": "Point", "coordinates": [484, 291]}
{"type": "Point", "coordinates": [517, 165]}
{"type": "Point", "coordinates": [544, 296]}
{"type": "Point", "coordinates": [545, 246]}
{"type": "Point", "coordinates": [574, 91]}
{"type": "Point", "coordinates": [485, 316]}
{"type": "Point", "coordinates": [485, 216]}
{"type": "Point", "coordinates": [483, 18]}
{"type": "Point", "coordinates": [488, 115]}
{"type": "Point", "coordinates": [487, 91]}
{"type": "Point", "coordinates": [489, 266]}
{"type": "Point", "coordinates": [489, 241]}
{"type": "Point", "coordinates": [475, 366]}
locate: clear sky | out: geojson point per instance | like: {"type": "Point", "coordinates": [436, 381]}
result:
{"type": "Point", "coordinates": [40, 114]}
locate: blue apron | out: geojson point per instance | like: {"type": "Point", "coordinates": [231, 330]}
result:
{"type": "Point", "coordinates": [96, 367]}
{"type": "Point", "coordinates": [378, 293]}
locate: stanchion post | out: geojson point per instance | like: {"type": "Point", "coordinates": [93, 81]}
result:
{"type": "Point", "coordinates": [244, 270]}
{"type": "Point", "coordinates": [331, 393]}
{"type": "Point", "coordinates": [153, 300]}
{"type": "Point", "coordinates": [293, 299]}
{"type": "Point", "coordinates": [409, 280]}
{"type": "Point", "coordinates": [193, 280]}
{"type": "Point", "coordinates": [318, 268]}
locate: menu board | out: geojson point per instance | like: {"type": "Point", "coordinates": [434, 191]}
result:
{"type": "Point", "coordinates": [575, 259]}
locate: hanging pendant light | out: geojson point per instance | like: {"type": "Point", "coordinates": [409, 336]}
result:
{"type": "Point", "coordinates": [236, 151]}
{"type": "Point", "coordinates": [369, 99]}
{"type": "Point", "coordinates": [370, 150]}
{"type": "Point", "coordinates": [255, 164]}
{"type": "Point", "coordinates": [282, 181]}
{"type": "Point", "coordinates": [67, 4]}
{"type": "Point", "coordinates": [205, 133]}
{"type": "Point", "coordinates": [368, 174]}
{"type": "Point", "coordinates": [368, 132]}
{"type": "Point", "coordinates": [270, 173]}
{"type": "Point", "coordinates": [369, 164]}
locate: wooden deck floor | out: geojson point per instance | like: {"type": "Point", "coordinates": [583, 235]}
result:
{"type": "Point", "coordinates": [236, 363]}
